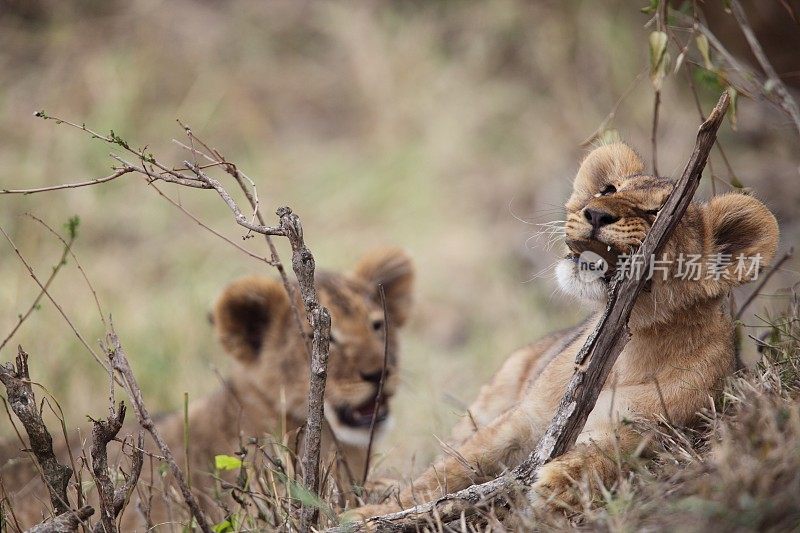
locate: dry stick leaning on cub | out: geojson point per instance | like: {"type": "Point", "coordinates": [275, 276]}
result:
{"type": "Point", "coordinates": [267, 389]}
{"type": "Point", "coordinates": [679, 352]}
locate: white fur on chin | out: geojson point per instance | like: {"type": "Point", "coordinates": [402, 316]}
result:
{"type": "Point", "coordinates": [355, 436]}
{"type": "Point", "coordinates": [572, 284]}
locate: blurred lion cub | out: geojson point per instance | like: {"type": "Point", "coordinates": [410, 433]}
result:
{"type": "Point", "coordinates": [267, 388]}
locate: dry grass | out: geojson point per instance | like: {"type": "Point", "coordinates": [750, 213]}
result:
{"type": "Point", "coordinates": [429, 125]}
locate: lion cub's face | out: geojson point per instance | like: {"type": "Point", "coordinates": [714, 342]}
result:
{"type": "Point", "coordinates": [611, 209]}
{"type": "Point", "coordinates": [255, 324]}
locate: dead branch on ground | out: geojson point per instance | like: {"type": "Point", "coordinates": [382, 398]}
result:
{"type": "Point", "coordinates": [601, 350]}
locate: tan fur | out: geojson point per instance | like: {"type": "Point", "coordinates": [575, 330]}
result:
{"type": "Point", "coordinates": [680, 351]}
{"type": "Point", "coordinates": [266, 391]}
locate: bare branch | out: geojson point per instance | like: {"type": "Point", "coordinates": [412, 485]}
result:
{"type": "Point", "coordinates": [119, 361]}
{"type": "Point", "coordinates": [119, 172]}
{"type": "Point", "coordinates": [601, 350]}
{"type": "Point", "coordinates": [103, 432]}
{"type": "Point", "coordinates": [17, 381]}
{"type": "Point", "coordinates": [52, 300]}
{"type": "Point", "coordinates": [35, 304]}
{"type": "Point", "coordinates": [77, 264]}
{"type": "Point", "coordinates": [237, 213]}
{"type": "Point", "coordinates": [66, 522]}
{"type": "Point", "coordinates": [215, 157]}
{"type": "Point", "coordinates": [763, 282]}
{"type": "Point", "coordinates": [210, 229]}
{"type": "Point", "coordinates": [320, 320]}
{"type": "Point", "coordinates": [774, 82]}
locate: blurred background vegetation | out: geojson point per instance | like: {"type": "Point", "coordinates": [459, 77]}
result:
{"type": "Point", "coordinates": [448, 128]}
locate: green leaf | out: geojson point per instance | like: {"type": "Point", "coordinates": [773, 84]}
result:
{"type": "Point", "coordinates": [736, 182]}
{"type": "Point", "coordinates": [709, 80]}
{"type": "Point", "coordinates": [702, 47]}
{"type": "Point", "coordinates": [223, 527]}
{"type": "Point", "coordinates": [659, 58]}
{"type": "Point", "coordinates": [72, 226]}
{"type": "Point", "coordinates": [651, 8]}
{"type": "Point", "coordinates": [227, 462]}
{"type": "Point", "coordinates": [305, 496]}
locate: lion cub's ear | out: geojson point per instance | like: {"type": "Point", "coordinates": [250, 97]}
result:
{"type": "Point", "coordinates": [739, 226]}
{"type": "Point", "coordinates": [244, 313]}
{"type": "Point", "coordinates": [393, 269]}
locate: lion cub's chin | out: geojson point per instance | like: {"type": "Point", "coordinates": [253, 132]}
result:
{"type": "Point", "coordinates": [593, 290]}
{"type": "Point", "coordinates": [356, 436]}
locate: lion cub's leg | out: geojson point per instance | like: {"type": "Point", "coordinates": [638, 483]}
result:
{"type": "Point", "coordinates": [483, 456]}
{"type": "Point", "coordinates": [595, 458]}
{"type": "Point", "coordinates": [507, 387]}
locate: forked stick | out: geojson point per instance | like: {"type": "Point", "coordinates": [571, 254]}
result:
{"type": "Point", "coordinates": [600, 350]}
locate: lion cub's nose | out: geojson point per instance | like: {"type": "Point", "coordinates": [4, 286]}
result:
{"type": "Point", "coordinates": [374, 377]}
{"type": "Point", "coordinates": [598, 218]}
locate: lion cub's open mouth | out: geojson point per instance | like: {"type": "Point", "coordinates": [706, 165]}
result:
{"type": "Point", "coordinates": [607, 252]}
{"type": "Point", "coordinates": [361, 415]}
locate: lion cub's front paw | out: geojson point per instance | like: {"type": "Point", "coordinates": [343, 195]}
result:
{"type": "Point", "coordinates": [556, 484]}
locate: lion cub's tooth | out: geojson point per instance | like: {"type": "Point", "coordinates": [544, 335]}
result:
{"type": "Point", "coordinates": [608, 249]}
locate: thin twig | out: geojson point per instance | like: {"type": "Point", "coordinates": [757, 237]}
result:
{"type": "Point", "coordinates": [216, 157]}
{"type": "Point", "coordinates": [52, 300]}
{"type": "Point", "coordinates": [35, 304]}
{"type": "Point", "coordinates": [77, 264]}
{"type": "Point", "coordinates": [763, 282]}
{"type": "Point", "coordinates": [119, 361]}
{"type": "Point", "coordinates": [210, 229]}
{"type": "Point", "coordinates": [119, 172]}
{"type": "Point", "coordinates": [774, 82]}
{"type": "Point", "coordinates": [379, 395]}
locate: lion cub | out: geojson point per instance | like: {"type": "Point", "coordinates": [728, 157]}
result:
{"type": "Point", "coordinates": [681, 343]}
{"type": "Point", "coordinates": [266, 392]}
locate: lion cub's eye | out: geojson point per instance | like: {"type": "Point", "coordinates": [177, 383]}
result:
{"type": "Point", "coordinates": [377, 325]}
{"type": "Point", "coordinates": [608, 189]}
{"type": "Point", "coordinates": [651, 212]}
